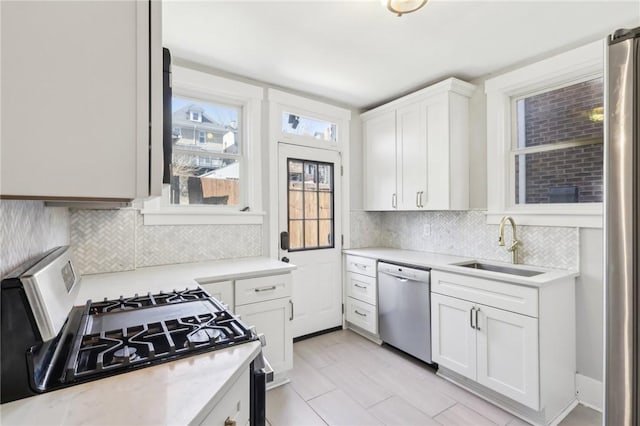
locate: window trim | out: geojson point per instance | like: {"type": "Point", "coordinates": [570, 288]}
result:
{"type": "Point", "coordinates": [209, 87]}
{"type": "Point", "coordinates": [576, 65]}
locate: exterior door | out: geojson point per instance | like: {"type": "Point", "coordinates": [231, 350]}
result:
{"type": "Point", "coordinates": [309, 197]}
{"type": "Point", "coordinates": [508, 354]}
{"type": "Point", "coordinates": [453, 340]}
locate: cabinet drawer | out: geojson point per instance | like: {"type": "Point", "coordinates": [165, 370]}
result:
{"type": "Point", "coordinates": [362, 287]}
{"type": "Point", "coordinates": [361, 265]}
{"type": "Point", "coordinates": [253, 290]}
{"type": "Point", "coordinates": [362, 314]}
{"type": "Point", "coordinates": [502, 295]}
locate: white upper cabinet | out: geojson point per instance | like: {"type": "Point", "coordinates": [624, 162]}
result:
{"type": "Point", "coordinates": [81, 83]}
{"type": "Point", "coordinates": [416, 150]}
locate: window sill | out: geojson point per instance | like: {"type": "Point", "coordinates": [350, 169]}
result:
{"type": "Point", "coordinates": [571, 219]}
{"type": "Point", "coordinates": [199, 216]}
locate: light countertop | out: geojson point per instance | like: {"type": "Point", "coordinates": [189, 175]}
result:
{"type": "Point", "coordinates": [180, 276]}
{"type": "Point", "coordinates": [447, 263]}
{"type": "Point", "coordinates": [178, 392]}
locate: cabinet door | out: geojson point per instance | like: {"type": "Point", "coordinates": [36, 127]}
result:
{"type": "Point", "coordinates": [508, 354]}
{"type": "Point", "coordinates": [273, 319]}
{"type": "Point", "coordinates": [75, 99]}
{"type": "Point", "coordinates": [412, 153]}
{"type": "Point", "coordinates": [234, 405]}
{"type": "Point", "coordinates": [380, 162]}
{"type": "Point", "coordinates": [438, 162]}
{"type": "Point", "coordinates": [222, 291]}
{"type": "Point", "coordinates": [453, 340]}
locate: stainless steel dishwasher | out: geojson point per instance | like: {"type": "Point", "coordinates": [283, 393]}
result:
{"type": "Point", "coordinates": [404, 309]}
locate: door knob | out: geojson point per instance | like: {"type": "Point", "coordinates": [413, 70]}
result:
{"type": "Point", "coordinates": [285, 259]}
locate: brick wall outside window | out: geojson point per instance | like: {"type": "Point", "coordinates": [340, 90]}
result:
{"type": "Point", "coordinates": [562, 115]}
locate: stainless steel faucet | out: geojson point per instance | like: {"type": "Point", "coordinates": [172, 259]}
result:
{"type": "Point", "coordinates": [513, 248]}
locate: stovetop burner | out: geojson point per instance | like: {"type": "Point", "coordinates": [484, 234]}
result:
{"type": "Point", "coordinates": [193, 323]}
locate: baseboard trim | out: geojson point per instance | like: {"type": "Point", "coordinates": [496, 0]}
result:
{"type": "Point", "coordinates": [589, 392]}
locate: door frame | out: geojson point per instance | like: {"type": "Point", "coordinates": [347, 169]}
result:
{"type": "Point", "coordinates": [280, 102]}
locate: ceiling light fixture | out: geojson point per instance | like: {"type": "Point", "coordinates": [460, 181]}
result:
{"type": "Point", "coordinates": [401, 7]}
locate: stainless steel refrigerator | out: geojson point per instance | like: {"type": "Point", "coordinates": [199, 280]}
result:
{"type": "Point", "coordinates": [622, 251]}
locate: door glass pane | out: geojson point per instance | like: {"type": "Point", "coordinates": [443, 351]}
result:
{"type": "Point", "coordinates": [570, 175]}
{"type": "Point", "coordinates": [325, 233]}
{"type": "Point", "coordinates": [295, 174]}
{"type": "Point", "coordinates": [310, 176]}
{"type": "Point", "coordinates": [325, 208]}
{"type": "Point", "coordinates": [295, 235]}
{"type": "Point", "coordinates": [295, 205]}
{"type": "Point", "coordinates": [310, 208]}
{"type": "Point", "coordinates": [310, 205]}
{"type": "Point", "coordinates": [310, 233]}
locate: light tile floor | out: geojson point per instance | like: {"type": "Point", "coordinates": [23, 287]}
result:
{"type": "Point", "coordinates": [343, 379]}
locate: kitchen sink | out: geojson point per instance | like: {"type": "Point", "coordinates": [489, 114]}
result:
{"type": "Point", "coordinates": [501, 269]}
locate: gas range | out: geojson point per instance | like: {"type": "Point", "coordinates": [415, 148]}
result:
{"type": "Point", "coordinates": [41, 351]}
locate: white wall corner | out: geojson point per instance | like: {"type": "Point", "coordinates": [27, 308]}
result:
{"type": "Point", "coordinates": [589, 392]}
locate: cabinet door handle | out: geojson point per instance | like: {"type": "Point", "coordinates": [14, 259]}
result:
{"type": "Point", "coordinates": [394, 200]}
{"type": "Point", "coordinates": [291, 303]}
{"type": "Point", "coordinates": [359, 286]}
{"type": "Point", "coordinates": [418, 199]}
{"type": "Point", "coordinates": [471, 318]}
{"type": "Point", "coordinates": [477, 323]}
{"type": "Point", "coordinates": [421, 194]}
{"type": "Point", "coordinates": [270, 288]}
{"type": "Point", "coordinates": [229, 422]}
{"type": "Point", "coordinates": [360, 313]}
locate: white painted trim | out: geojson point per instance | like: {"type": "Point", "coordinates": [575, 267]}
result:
{"type": "Point", "coordinates": [577, 64]}
{"type": "Point", "coordinates": [278, 102]}
{"type": "Point", "coordinates": [200, 85]}
{"type": "Point", "coordinates": [590, 392]}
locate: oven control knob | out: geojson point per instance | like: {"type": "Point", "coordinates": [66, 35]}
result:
{"type": "Point", "coordinates": [263, 340]}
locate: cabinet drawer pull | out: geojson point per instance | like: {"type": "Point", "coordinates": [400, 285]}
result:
{"type": "Point", "coordinates": [258, 290]}
{"type": "Point", "coordinates": [360, 313]}
{"type": "Point", "coordinates": [471, 318]}
{"type": "Point", "coordinates": [477, 324]}
{"type": "Point", "coordinates": [360, 266]}
{"type": "Point", "coordinates": [229, 422]}
{"type": "Point", "coordinates": [360, 286]}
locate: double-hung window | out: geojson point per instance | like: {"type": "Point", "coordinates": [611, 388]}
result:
{"type": "Point", "coordinates": [216, 163]}
{"type": "Point", "coordinates": [545, 141]}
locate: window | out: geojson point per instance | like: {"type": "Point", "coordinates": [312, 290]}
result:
{"type": "Point", "coordinates": [545, 141]}
{"type": "Point", "coordinates": [195, 116]}
{"type": "Point", "coordinates": [216, 164]}
{"type": "Point", "coordinates": [311, 127]}
{"type": "Point", "coordinates": [206, 168]}
{"type": "Point", "coordinates": [557, 145]}
{"type": "Point", "coordinates": [310, 205]}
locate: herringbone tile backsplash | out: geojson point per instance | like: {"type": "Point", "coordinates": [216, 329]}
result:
{"type": "Point", "coordinates": [465, 234]}
{"type": "Point", "coordinates": [117, 240]}
{"type": "Point", "coordinates": [28, 230]}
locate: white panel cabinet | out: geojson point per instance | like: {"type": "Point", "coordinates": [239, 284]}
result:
{"type": "Point", "coordinates": [76, 99]}
{"type": "Point", "coordinates": [222, 291]}
{"type": "Point", "coordinates": [361, 290]}
{"type": "Point", "coordinates": [512, 344]}
{"type": "Point", "coordinates": [416, 150]}
{"type": "Point", "coordinates": [265, 302]}
{"type": "Point", "coordinates": [234, 405]}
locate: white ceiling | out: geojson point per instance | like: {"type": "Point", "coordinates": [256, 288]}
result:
{"type": "Point", "coordinates": [359, 54]}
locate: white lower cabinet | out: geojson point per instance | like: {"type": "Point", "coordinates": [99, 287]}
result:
{"type": "Point", "coordinates": [273, 319]}
{"type": "Point", "coordinates": [496, 348]}
{"type": "Point", "coordinates": [222, 291]}
{"type": "Point", "coordinates": [234, 405]}
{"type": "Point", "coordinates": [516, 348]}
{"type": "Point", "coordinates": [361, 291]}
{"type": "Point", "coordinates": [362, 315]}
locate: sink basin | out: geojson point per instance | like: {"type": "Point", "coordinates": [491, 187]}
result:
{"type": "Point", "coordinates": [501, 269]}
